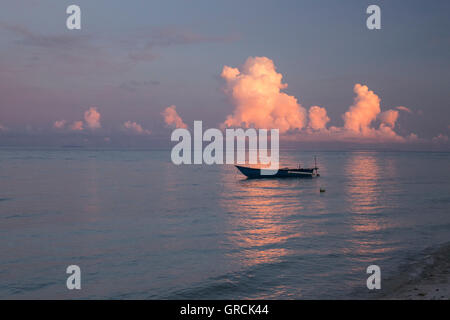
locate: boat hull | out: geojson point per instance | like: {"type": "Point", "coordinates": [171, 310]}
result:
{"type": "Point", "coordinates": [254, 173]}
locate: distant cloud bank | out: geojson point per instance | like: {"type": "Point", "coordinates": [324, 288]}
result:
{"type": "Point", "coordinates": [256, 91]}
{"type": "Point", "coordinates": [91, 120]}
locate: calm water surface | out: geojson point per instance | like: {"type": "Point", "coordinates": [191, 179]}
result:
{"type": "Point", "coordinates": [140, 227]}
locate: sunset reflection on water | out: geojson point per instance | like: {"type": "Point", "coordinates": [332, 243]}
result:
{"type": "Point", "coordinates": [263, 217]}
{"type": "Point", "coordinates": [366, 203]}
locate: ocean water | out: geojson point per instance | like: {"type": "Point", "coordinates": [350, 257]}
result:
{"type": "Point", "coordinates": [140, 227]}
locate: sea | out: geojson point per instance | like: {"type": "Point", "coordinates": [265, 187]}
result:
{"type": "Point", "coordinates": [140, 227]}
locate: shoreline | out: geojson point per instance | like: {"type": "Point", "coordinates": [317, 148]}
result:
{"type": "Point", "coordinates": [427, 278]}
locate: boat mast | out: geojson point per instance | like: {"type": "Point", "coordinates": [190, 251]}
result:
{"type": "Point", "coordinates": [315, 164]}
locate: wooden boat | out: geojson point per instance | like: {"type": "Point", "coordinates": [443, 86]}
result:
{"type": "Point", "coordinates": [259, 173]}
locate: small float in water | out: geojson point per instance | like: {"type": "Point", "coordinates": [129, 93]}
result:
{"type": "Point", "coordinates": [260, 173]}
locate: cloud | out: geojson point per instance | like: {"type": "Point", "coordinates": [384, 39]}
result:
{"type": "Point", "coordinates": [412, 137]}
{"type": "Point", "coordinates": [92, 118]}
{"type": "Point", "coordinates": [402, 108]}
{"type": "Point", "coordinates": [172, 118]}
{"type": "Point", "coordinates": [57, 41]}
{"type": "Point", "coordinates": [135, 127]}
{"type": "Point", "coordinates": [169, 36]}
{"type": "Point", "coordinates": [440, 139]}
{"type": "Point", "coordinates": [389, 118]}
{"type": "Point", "coordinates": [71, 53]}
{"type": "Point", "coordinates": [364, 110]}
{"type": "Point", "coordinates": [148, 41]}
{"type": "Point", "coordinates": [255, 90]}
{"type": "Point", "coordinates": [361, 118]}
{"type": "Point", "coordinates": [318, 118]}
{"type": "Point", "coordinates": [59, 124]}
{"type": "Point", "coordinates": [77, 126]}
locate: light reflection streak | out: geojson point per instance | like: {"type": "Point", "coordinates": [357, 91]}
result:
{"type": "Point", "coordinates": [263, 217]}
{"type": "Point", "coordinates": [366, 206]}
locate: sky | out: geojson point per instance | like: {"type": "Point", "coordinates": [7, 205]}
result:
{"type": "Point", "coordinates": [138, 69]}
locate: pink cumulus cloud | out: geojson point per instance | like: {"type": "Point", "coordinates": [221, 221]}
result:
{"type": "Point", "coordinates": [172, 119]}
{"type": "Point", "coordinates": [318, 118]}
{"type": "Point", "coordinates": [364, 110]}
{"type": "Point", "coordinates": [256, 92]}
{"type": "Point", "coordinates": [59, 124]}
{"type": "Point", "coordinates": [77, 126]}
{"type": "Point", "coordinates": [92, 118]}
{"type": "Point", "coordinates": [135, 127]}
{"type": "Point", "coordinates": [389, 118]}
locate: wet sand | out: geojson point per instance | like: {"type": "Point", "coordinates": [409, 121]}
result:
{"type": "Point", "coordinates": [426, 279]}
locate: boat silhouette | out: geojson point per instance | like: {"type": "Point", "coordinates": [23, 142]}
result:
{"type": "Point", "coordinates": [260, 173]}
